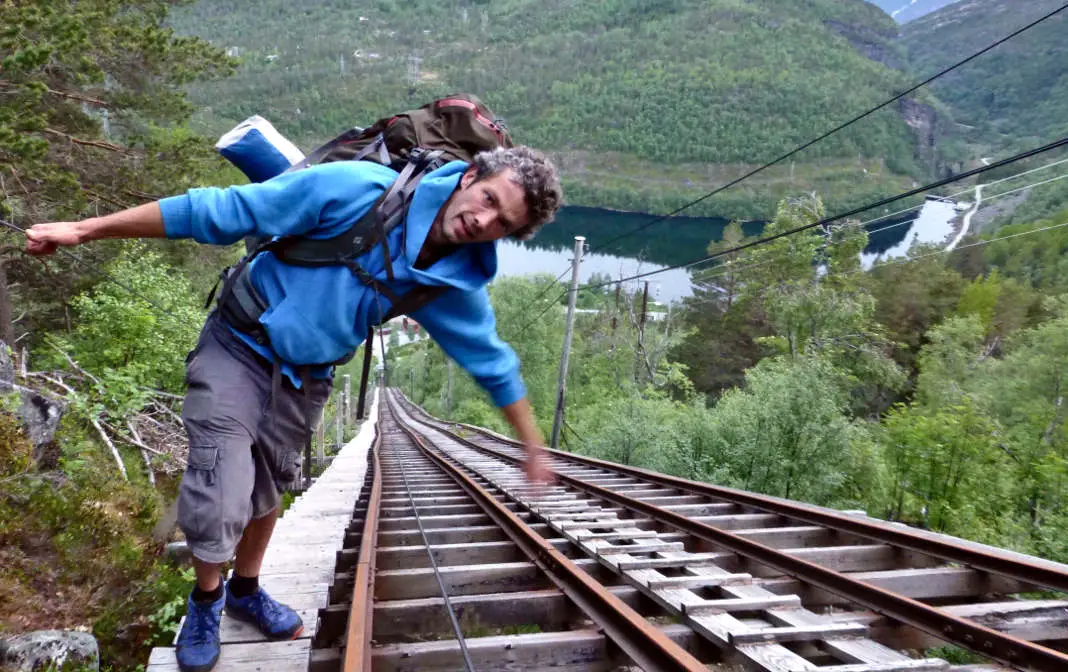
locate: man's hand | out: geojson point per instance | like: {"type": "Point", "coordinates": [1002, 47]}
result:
{"type": "Point", "coordinates": [42, 239]}
{"type": "Point", "coordinates": [538, 469]}
{"type": "Point", "coordinates": [143, 221]}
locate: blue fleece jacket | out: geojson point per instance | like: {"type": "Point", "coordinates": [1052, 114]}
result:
{"type": "Point", "coordinates": [321, 314]}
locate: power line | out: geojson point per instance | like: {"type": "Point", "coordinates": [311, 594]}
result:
{"type": "Point", "coordinates": [101, 271]}
{"type": "Point", "coordinates": [827, 220]}
{"type": "Point", "coordinates": [934, 185]}
{"type": "Point", "coordinates": [965, 191]}
{"type": "Point", "coordinates": [936, 253]}
{"type": "Point", "coordinates": [716, 273]}
{"type": "Point", "coordinates": [836, 129]}
{"type": "Point", "coordinates": [808, 144]}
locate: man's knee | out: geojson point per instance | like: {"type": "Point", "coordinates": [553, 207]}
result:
{"type": "Point", "coordinates": [215, 497]}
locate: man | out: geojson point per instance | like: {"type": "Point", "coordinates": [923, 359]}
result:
{"type": "Point", "coordinates": [245, 409]}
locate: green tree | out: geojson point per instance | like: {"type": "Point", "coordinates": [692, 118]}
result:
{"type": "Point", "coordinates": [89, 93]}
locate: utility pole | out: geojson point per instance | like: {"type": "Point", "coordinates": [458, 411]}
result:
{"type": "Point", "coordinates": [645, 303]}
{"type": "Point", "coordinates": [413, 73]}
{"type": "Point", "coordinates": [411, 384]}
{"type": "Point", "coordinates": [448, 392]}
{"type": "Point", "coordinates": [320, 436]}
{"type": "Point", "coordinates": [572, 295]}
{"type": "Point", "coordinates": [339, 423]}
{"type": "Point", "coordinates": [348, 399]}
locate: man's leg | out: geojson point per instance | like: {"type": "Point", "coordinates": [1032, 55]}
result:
{"type": "Point", "coordinates": [224, 400]}
{"type": "Point", "coordinates": [276, 452]}
{"type": "Point", "coordinates": [253, 544]}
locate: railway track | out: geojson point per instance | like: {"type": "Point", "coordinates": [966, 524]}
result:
{"type": "Point", "coordinates": [450, 561]}
{"type": "Point", "coordinates": [766, 584]}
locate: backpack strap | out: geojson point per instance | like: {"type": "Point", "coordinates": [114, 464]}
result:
{"type": "Point", "coordinates": [373, 228]}
{"type": "Point", "coordinates": [410, 302]}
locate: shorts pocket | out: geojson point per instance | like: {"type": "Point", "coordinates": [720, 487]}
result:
{"type": "Point", "coordinates": [200, 497]}
{"type": "Point", "coordinates": [204, 458]}
{"type": "Point", "coordinates": [289, 470]}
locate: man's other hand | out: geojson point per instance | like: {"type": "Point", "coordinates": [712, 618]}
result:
{"type": "Point", "coordinates": [43, 239]}
{"type": "Point", "coordinates": [538, 469]}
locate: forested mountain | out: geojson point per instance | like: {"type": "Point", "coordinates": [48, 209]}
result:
{"type": "Point", "coordinates": [1015, 96]}
{"type": "Point", "coordinates": [645, 104]}
{"type": "Point", "coordinates": [904, 11]}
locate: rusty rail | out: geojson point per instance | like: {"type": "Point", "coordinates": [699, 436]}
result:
{"type": "Point", "coordinates": [1026, 572]}
{"type": "Point", "coordinates": [984, 641]}
{"type": "Point", "coordinates": [645, 644]}
{"type": "Point", "coordinates": [358, 631]}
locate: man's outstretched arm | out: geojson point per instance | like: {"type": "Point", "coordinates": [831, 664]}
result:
{"type": "Point", "coordinates": [520, 416]}
{"type": "Point", "coordinates": [143, 221]}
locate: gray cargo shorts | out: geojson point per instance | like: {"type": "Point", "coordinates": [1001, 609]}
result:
{"type": "Point", "coordinates": [244, 448]}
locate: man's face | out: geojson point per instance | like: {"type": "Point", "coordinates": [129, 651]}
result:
{"type": "Point", "coordinates": [482, 210]}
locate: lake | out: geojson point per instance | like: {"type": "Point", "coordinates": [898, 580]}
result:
{"type": "Point", "coordinates": [679, 240]}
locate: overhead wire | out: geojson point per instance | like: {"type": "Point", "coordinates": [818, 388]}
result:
{"type": "Point", "coordinates": [720, 272]}
{"type": "Point", "coordinates": [102, 272]}
{"type": "Point", "coordinates": [822, 222]}
{"type": "Point", "coordinates": [810, 143]}
{"type": "Point", "coordinates": [909, 260]}
{"type": "Point", "coordinates": [841, 126]}
{"type": "Point", "coordinates": [828, 220]}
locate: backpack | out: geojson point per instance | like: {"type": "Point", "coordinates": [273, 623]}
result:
{"type": "Point", "coordinates": [414, 143]}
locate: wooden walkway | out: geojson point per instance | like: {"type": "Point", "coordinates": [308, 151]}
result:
{"type": "Point", "coordinates": [298, 567]}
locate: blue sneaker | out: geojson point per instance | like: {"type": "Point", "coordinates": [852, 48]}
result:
{"type": "Point", "coordinates": [275, 620]}
{"type": "Point", "coordinates": [198, 643]}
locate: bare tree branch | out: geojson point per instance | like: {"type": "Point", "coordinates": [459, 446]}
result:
{"type": "Point", "coordinates": [114, 450]}
{"type": "Point", "coordinates": [87, 143]}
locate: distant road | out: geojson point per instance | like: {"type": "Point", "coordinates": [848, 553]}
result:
{"type": "Point", "coordinates": [967, 218]}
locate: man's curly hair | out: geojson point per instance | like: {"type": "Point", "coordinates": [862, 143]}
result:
{"type": "Point", "coordinates": [535, 173]}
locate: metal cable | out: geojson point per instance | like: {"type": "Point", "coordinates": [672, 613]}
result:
{"type": "Point", "coordinates": [840, 127]}
{"type": "Point", "coordinates": [827, 220]}
{"type": "Point", "coordinates": [99, 270]}
{"type": "Point", "coordinates": [811, 143]}
{"type": "Point", "coordinates": [468, 665]}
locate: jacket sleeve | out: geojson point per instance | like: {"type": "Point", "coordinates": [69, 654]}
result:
{"type": "Point", "coordinates": [323, 198]}
{"type": "Point", "coordinates": [464, 325]}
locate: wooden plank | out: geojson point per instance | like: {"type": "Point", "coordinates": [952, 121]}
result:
{"type": "Point", "coordinates": [634, 549]}
{"type": "Point", "coordinates": [459, 580]}
{"type": "Point", "coordinates": [698, 581]}
{"type": "Point", "coordinates": [443, 535]}
{"type": "Point", "coordinates": [598, 525]}
{"type": "Point", "coordinates": [689, 560]}
{"type": "Point", "coordinates": [432, 522]}
{"type": "Point", "coordinates": [480, 553]}
{"type": "Point", "coordinates": [289, 656]}
{"type": "Point", "coordinates": [925, 665]}
{"type": "Point", "coordinates": [571, 651]}
{"type": "Point", "coordinates": [615, 535]}
{"type": "Point", "coordinates": [800, 536]}
{"type": "Point", "coordinates": [740, 604]}
{"type": "Point", "coordinates": [799, 634]}
{"type": "Point", "coordinates": [546, 609]}
{"type": "Point", "coordinates": [922, 584]}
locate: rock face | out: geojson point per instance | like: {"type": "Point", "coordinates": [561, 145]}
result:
{"type": "Point", "coordinates": [38, 414]}
{"type": "Point", "coordinates": [50, 650]}
{"type": "Point", "coordinates": [922, 119]}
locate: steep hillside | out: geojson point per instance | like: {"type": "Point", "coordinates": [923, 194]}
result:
{"type": "Point", "coordinates": [647, 104]}
{"type": "Point", "coordinates": [904, 11]}
{"type": "Point", "coordinates": [1015, 96]}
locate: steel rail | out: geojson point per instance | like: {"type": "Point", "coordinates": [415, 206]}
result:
{"type": "Point", "coordinates": [643, 642]}
{"type": "Point", "coordinates": [457, 630]}
{"type": "Point", "coordinates": [1045, 575]}
{"type": "Point", "coordinates": [984, 641]}
{"type": "Point", "coordinates": [361, 607]}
